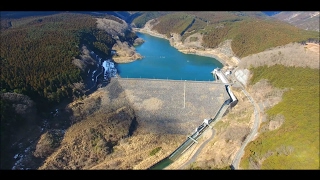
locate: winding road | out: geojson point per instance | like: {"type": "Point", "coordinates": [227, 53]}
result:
{"type": "Point", "coordinates": [236, 160]}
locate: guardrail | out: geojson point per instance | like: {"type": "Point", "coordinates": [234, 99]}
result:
{"type": "Point", "coordinates": [174, 80]}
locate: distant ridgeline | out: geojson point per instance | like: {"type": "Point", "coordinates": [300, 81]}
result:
{"type": "Point", "coordinates": [37, 53]}
{"type": "Point", "coordinates": [251, 32]}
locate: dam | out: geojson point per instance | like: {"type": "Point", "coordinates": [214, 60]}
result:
{"type": "Point", "coordinates": [177, 106]}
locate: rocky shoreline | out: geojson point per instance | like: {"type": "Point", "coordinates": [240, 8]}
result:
{"type": "Point", "coordinates": [223, 53]}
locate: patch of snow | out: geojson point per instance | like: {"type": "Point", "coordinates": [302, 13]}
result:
{"type": "Point", "coordinates": [109, 69]}
{"type": "Point", "coordinates": [26, 150]}
{"type": "Point", "coordinates": [107, 65]}
{"type": "Point", "coordinates": [314, 14]}
{"type": "Point", "coordinates": [292, 16]}
{"type": "Point", "coordinates": [16, 156]}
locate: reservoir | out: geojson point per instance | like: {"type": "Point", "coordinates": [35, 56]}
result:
{"type": "Point", "coordinates": [162, 61]}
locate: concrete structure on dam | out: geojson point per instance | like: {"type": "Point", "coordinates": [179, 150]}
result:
{"type": "Point", "coordinates": [230, 102]}
{"type": "Point", "coordinates": [171, 106]}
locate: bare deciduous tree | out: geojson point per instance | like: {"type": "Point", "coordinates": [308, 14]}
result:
{"type": "Point", "coordinates": [293, 54]}
{"type": "Point", "coordinates": [112, 27]}
{"type": "Point", "coordinates": [22, 104]}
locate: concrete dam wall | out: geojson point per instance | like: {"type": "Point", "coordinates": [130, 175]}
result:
{"type": "Point", "coordinates": [170, 106]}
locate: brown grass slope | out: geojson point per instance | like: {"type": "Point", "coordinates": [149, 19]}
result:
{"type": "Point", "coordinates": [95, 131]}
{"type": "Point", "coordinates": [104, 136]}
{"type": "Point", "coordinates": [90, 141]}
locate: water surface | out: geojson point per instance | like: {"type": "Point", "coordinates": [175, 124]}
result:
{"type": "Point", "coordinates": [162, 61]}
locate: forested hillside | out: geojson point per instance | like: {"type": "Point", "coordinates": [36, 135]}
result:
{"type": "Point", "coordinates": [250, 32]}
{"type": "Point", "coordinates": [253, 36]}
{"type": "Point", "coordinates": [44, 61]}
{"type": "Point", "coordinates": [42, 64]}
{"type": "Point", "coordinates": [295, 144]}
{"type": "Point", "coordinates": [37, 53]}
{"type": "Point", "coordinates": [144, 17]}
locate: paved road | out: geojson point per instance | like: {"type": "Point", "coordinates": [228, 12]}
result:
{"type": "Point", "coordinates": [236, 160]}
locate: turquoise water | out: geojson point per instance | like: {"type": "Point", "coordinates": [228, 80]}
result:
{"type": "Point", "coordinates": [162, 61]}
{"type": "Point", "coordinates": [162, 164]}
